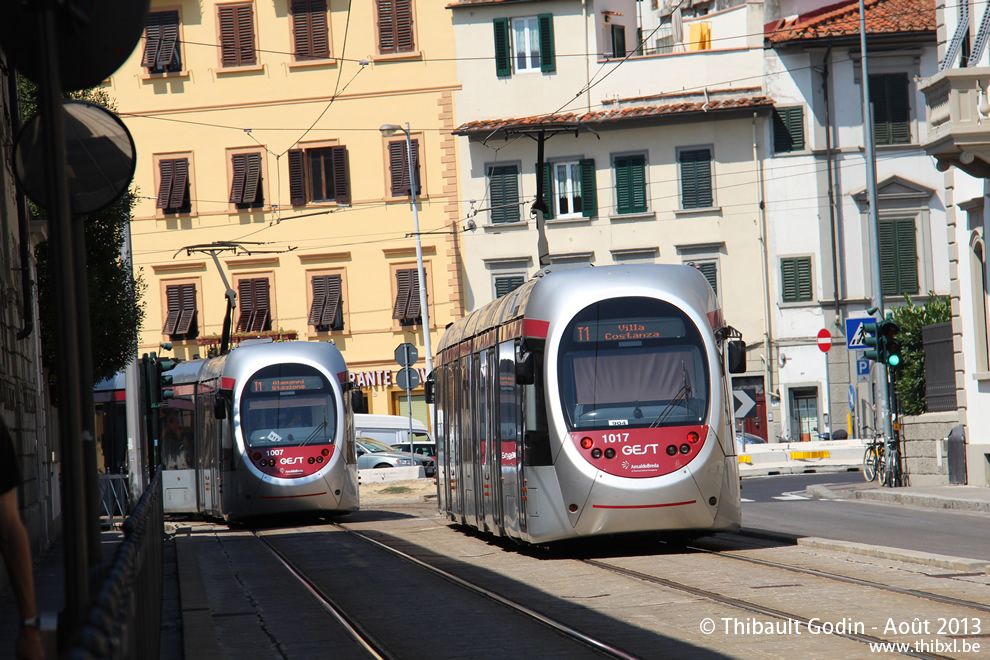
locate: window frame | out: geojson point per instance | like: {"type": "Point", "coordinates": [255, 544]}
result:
{"type": "Point", "coordinates": [296, 25]}
{"type": "Point", "coordinates": [196, 323]}
{"type": "Point", "coordinates": [504, 45]}
{"type": "Point", "coordinates": [342, 325]}
{"type": "Point", "coordinates": [709, 263]}
{"type": "Point", "coordinates": [239, 63]}
{"type": "Point", "coordinates": [248, 309]}
{"type": "Point", "coordinates": [899, 220]}
{"type": "Point", "coordinates": [682, 179]}
{"type": "Point", "coordinates": [169, 69]}
{"type": "Point", "coordinates": [190, 183]}
{"type": "Point", "coordinates": [885, 128]}
{"type": "Point", "coordinates": [262, 184]}
{"type": "Point", "coordinates": [798, 263]}
{"type": "Point", "coordinates": [574, 180]}
{"type": "Point", "coordinates": [631, 208]}
{"type": "Point", "coordinates": [396, 53]}
{"type": "Point", "coordinates": [522, 277]}
{"type": "Point", "coordinates": [503, 206]}
{"type": "Point", "coordinates": [615, 28]}
{"type": "Point", "coordinates": [301, 174]}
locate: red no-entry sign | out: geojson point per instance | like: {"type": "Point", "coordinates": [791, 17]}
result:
{"type": "Point", "coordinates": [824, 340]}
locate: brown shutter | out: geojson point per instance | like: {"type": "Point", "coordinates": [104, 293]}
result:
{"type": "Point", "coordinates": [403, 286]}
{"type": "Point", "coordinates": [404, 41]}
{"type": "Point", "coordinates": [319, 299]}
{"type": "Point", "coordinates": [245, 35]}
{"type": "Point", "coordinates": [414, 309]}
{"type": "Point", "coordinates": [310, 32]}
{"type": "Point", "coordinates": [341, 175]}
{"type": "Point", "coordinates": [228, 36]}
{"type": "Point", "coordinates": [245, 300]}
{"type": "Point", "coordinates": [180, 178]}
{"type": "Point", "coordinates": [238, 164]}
{"type": "Point", "coordinates": [170, 35]}
{"type": "Point", "coordinates": [386, 26]}
{"type": "Point", "coordinates": [332, 300]}
{"type": "Point", "coordinates": [152, 39]}
{"type": "Point", "coordinates": [319, 29]}
{"type": "Point", "coordinates": [297, 181]}
{"type": "Point", "coordinates": [262, 310]}
{"type": "Point", "coordinates": [166, 170]}
{"type": "Point", "coordinates": [173, 298]}
{"type": "Point", "coordinates": [396, 164]}
{"type": "Point", "coordinates": [252, 179]}
{"type": "Point", "coordinates": [188, 304]}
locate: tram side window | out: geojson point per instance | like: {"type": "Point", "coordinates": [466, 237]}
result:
{"type": "Point", "coordinates": [537, 437]}
{"type": "Point", "coordinates": [177, 436]}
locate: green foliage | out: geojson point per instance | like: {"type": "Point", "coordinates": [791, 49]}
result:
{"type": "Point", "coordinates": [912, 318]}
{"type": "Point", "coordinates": [115, 308]}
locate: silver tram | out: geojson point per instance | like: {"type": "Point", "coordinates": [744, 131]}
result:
{"type": "Point", "coordinates": [588, 402]}
{"type": "Point", "coordinates": [265, 429]}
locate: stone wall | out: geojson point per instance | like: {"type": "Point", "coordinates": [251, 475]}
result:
{"type": "Point", "coordinates": [924, 449]}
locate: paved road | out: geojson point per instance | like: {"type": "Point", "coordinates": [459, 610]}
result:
{"type": "Point", "coordinates": [775, 504]}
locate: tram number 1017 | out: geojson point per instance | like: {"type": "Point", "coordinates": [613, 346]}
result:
{"type": "Point", "coordinates": [615, 437]}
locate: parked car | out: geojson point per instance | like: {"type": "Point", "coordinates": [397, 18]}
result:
{"type": "Point", "coordinates": [743, 440]}
{"type": "Point", "coordinates": [390, 429]}
{"type": "Point", "coordinates": [420, 447]}
{"type": "Point", "coordinates": [374, 454]}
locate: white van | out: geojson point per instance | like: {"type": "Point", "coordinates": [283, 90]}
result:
{"type": "Point", "coordinates": [393, 430]}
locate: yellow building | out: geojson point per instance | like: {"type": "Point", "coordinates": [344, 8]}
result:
{"type": "Point", "coordinates": [257, 125]}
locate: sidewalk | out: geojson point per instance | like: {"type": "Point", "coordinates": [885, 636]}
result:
{"type": "Point", "coordinates": [960, 498]}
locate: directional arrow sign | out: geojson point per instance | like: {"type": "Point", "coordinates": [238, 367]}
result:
{"type": "Point", "coordinates": [745, 403]}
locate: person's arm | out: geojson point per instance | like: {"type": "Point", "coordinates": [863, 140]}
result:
{"type": "Point", "coordinates": [16, 548]}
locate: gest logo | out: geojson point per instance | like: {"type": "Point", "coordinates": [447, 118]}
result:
{"type": "Point", "coordinates": [290, 461]}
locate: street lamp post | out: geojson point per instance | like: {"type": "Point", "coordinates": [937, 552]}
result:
{"type": "Point", "coordinates": [388, 130]}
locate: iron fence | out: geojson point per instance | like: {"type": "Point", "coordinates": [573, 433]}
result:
{"type": "Point", "coordinates": [125, 621]}
{"type": "Point", "coordinates": [115, 498]}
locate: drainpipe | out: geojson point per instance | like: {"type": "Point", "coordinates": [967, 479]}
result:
{"type": "Point", "coordinates": [765, 267]}
{"type": "Point", "coordinates": [587, 63]}
{"type": "Point", "coordinates": [831, 186]}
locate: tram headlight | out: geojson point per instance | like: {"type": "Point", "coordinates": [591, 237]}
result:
{"type": "Point", "coordinates": [609, 453]}
{"type": "Point", "coordinates": [692, 437]}
{"type": "Point", "coordinates": [596, 453]}
{"type": "Point", "coordinates": [325, 452]}
{"type": "Point", "coordinates": [311, 460]}
{"type": "Point", "coordinates": [587, 443]}
{"type": "Point", "coordinates": [319, 459]}
{"type": "Point", "coordinates": [257, 456]}
{"type": "Point", "coordinates": [685, 448]}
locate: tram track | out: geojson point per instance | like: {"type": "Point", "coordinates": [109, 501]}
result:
{"type": "Point", "coordinates": [917, 593]}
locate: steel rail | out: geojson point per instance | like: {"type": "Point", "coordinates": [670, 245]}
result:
{"type": "Point", "coordinates": [927, 595]}
{"type": "Point", "coordinates": [554, 625]}
{"type": "Point", "coordinates": [751, 607]}
{"type": "Point", "coordinates": [358, 632]}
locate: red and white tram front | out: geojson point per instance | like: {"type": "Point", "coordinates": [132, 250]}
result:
{"type": "Point", "coordinates": [287, 428]}
{"type": "Point", "coordinates": [645, 420]}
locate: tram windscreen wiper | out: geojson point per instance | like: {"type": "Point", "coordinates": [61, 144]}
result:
{"type": "Point", "coordinates": [318, 429]}
{"type": "Point", "coordinates": [681, 395]}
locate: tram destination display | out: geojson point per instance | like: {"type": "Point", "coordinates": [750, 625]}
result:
{"type": "Point", "coordinates": [286, 384]}
{"type": "Point", "coordinates": [628, 329]}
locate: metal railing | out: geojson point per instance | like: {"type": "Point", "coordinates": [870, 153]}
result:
{"type": "Point", "coordinates": [125, 621]}
{"type": "Point", "coordinates": [115, 499]}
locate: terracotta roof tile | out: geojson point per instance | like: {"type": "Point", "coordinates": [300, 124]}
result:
{"type": "Point", "coordinates": [571, 119]}
{"type": "Point", "coordinates": [842, 20]}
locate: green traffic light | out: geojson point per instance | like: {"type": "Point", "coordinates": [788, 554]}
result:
{"type": "Point", "coordinates": [894, 360]}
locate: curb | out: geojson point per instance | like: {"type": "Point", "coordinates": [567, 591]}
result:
{"type": "Point", "coordinates": [922, 500]}
{"type": "Point", "coordinates": [911, 556]}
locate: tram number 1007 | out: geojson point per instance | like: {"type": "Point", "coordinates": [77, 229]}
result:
{"type": "Point", "coordinates": [274, 452]}
{"type": "Point", "coordinates": [615, 437]}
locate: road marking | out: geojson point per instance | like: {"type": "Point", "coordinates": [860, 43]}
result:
{"type": "Point", "coordinates": [790, 497]}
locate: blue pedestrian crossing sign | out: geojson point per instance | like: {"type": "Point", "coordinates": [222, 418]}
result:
{"type": "Point", "coordinates": [855, 334]}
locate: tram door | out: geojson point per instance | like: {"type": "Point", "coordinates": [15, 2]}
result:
{"type": "Point", "coordinates": [509, 436]}
{"type": "Point", "coordinates": [490, 476]}
{"type": "Point", "coordinates": [470, 474]}
{"type": "Point", "coordinates": [454, 468]}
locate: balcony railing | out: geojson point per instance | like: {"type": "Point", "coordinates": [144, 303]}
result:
{"type": "Point", "coordinates": [958, 114]}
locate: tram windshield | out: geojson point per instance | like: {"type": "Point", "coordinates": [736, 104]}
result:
{"type": "Point", "coordinates": [288, 405]}
{"type": "Point", "coordinates": [632, 363]}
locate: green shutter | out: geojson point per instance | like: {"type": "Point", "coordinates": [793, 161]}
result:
{"type": "Point", "coordinates": [507, 283]}
{"type": "Point", "coordinates": [898, 257]}
{"type": "Point", "coordinates": [795, 279]}
{"type": "Point", "coordinates": [710, 270]}
{"type": "Point", "coordinates": [504, 193]}
{"type": "Point", "coordinates": [788, 129]}
{"type": "Point", "coordinates": [548, 62]}
{"type": "Point", "coordinates": [547, 189]}
{"type": "Point", "coordinates": [890, 96]}
{"type": "Point", "coordinates": [589, 188]}
{"type": "Point", "coordinates": [696, 178]}
{"type": "Point", "coordinates": [630, 184]}
{"type": "Point", "coordinates": [503, 64]}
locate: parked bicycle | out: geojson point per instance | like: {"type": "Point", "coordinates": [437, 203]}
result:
{"type": "Point", "coordinates": [873, 457]}
{"type": "Point", "coordinates": [891, 475]}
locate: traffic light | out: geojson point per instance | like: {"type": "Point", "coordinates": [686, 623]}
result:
{"type": "Point", "coordinates": [875, 340]}
{"type": "Point", "coordinates": [164, 380]}
{"type": "Point", "coordinates": [891, 346]}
